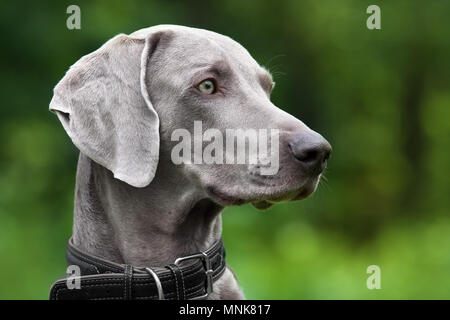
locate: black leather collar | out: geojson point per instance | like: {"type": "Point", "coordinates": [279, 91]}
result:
{"type": "Point", "coordinates": [189, 277]}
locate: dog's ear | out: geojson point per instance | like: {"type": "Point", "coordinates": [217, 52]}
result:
{"type": "Point", "coordinates": [103, 104]}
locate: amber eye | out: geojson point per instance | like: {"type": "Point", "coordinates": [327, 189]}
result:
{"type": "Point", "coordinates": [207, 87]}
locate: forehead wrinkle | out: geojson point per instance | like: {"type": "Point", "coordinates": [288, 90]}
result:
{"type": "Point", "coordinates": [218, 67]}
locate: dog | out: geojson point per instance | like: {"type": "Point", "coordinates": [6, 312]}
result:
{"type": "Point", "coordinates": [120, 105]}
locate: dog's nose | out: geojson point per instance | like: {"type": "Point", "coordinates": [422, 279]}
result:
{"type": "Point", "coordinates": [312, 150]}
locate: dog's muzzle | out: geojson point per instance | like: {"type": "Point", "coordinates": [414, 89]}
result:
{"type": "Point", "coordinates": [189, 277]}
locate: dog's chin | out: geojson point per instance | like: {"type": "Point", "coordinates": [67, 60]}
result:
{"type": "Point", "coordinates": [265, 201]}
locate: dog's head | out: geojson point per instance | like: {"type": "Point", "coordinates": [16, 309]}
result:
{"type": "Point", "coordinates": [198, 100]}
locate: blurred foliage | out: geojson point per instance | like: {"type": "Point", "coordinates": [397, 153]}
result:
{"type": "Point", "coordinates": [380, 97]}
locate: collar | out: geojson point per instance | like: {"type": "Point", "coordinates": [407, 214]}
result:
{"type": "Point", "coordinates": [189, 277]}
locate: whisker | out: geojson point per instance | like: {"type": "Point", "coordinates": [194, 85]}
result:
{"type": "Point", "coordinates": [273, 58]}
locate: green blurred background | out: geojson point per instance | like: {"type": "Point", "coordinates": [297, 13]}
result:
{"type": "Point", "coordinates": [381, 97]}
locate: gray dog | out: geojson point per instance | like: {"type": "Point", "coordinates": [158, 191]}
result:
{"type": "Point", "coordinates": [120, 105]}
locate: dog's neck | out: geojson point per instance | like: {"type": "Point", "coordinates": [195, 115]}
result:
{"type": "Point", "coordinates": [149, 226]}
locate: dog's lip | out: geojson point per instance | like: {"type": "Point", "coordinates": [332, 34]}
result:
{"type": "Point", "coordinates": [304, 193]}
{"type": "Point", "coordinates": [262, 204]}
{"type": "Point", "coordinates": [287, 196]}
{"type": "Point", "coordinates": [284, 196]}
{"type": "Point", "coordinates": [222, 198]}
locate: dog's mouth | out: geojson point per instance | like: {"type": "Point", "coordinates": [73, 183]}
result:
{"type": "Point", "coordinates": [263, 202]}
{"type": "Point", "coordinates": [223, 198]}
{"type": "Point", "coordinates": [295, 195]}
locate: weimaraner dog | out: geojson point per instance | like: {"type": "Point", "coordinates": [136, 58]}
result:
{"type": "Point", "coordinates": [120, 106]}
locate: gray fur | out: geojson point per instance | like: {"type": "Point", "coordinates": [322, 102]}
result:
{"type": "Point", "coordinates": [120, 104]}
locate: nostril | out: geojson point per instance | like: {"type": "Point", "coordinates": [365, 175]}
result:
{"type": "Point", "coordinates": [326, 156]}
{"type": "Point", "coordinates": [308, 155]}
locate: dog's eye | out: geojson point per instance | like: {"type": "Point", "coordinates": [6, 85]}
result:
{"type": "Point", "coordinates": [207, 87]}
